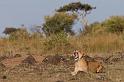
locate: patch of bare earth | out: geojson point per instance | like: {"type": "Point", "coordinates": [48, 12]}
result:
{"type": "Point", "coordinates": [57, 68]}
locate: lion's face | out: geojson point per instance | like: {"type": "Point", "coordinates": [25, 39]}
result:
{"type": "Point", "coordinates": [77, 55]}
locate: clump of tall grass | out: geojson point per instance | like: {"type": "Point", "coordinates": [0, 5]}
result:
{"type": "Point", "coordinates": [21, 42]}
{"type": "Point", "coordinates": [58, 43]}
{"type": "Point", "coordinates": [102, 43]}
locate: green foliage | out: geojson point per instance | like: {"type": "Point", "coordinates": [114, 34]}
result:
{"type": "Point", "coordinates": [57, 23]}
{"type": "Point", "coordinates": [114, 24]}
{"type": "Point", "coordinates": [75, 7]}
{"type": "Point", "coordinates": [10, 30]}
{"type": "Point", "coordinates": [95, 28]}
{"type": "Point", "coordinates": [19, 35]}
{"type": "Point", "coordinates": [58, 41]}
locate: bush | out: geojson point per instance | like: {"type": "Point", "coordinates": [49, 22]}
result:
{"type": "Point", "coordinates": [114, 24]}
{"type": "Point", "coordinates": [21, 34]}
{"type": "Point", "coordinates": [94, 28]}
{"type": "Point", "coordinates": [10, 30]}
{"type": "Point", "coordinates": [58, 42]}
{"type": "Point", "coordinates": [59, 22]}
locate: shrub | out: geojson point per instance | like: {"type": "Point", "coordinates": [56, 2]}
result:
{"type": "Point", "coordinates": [21, 34]}
{"type": "Point", "coordinates": [57, 23]}
{"type": "Point", "coordinates": [114, 24]}
{"type": "Point", "coordinates": [58, 42]}
{"type": "Point", "coordinates": [10, 30]}
{"type": "Point", "coordinates": [95, 28]}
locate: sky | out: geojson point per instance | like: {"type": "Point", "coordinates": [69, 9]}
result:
{"type": "Point", "coordinates": [31, 12]}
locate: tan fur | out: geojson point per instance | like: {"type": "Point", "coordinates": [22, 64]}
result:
{"type": "Point", "coordinates": [82, 65]}
{"type": "Point", "coordinates": [94, 66]}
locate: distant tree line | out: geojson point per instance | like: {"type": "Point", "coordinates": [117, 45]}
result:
{"type": "Point", "coordinates": [64, 19]}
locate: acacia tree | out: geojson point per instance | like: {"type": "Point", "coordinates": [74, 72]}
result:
{"type": "Point", "coordinates": [81, 10]}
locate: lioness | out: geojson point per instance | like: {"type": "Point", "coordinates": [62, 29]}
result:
{"type": "Point", "coordinates": [81, 64]}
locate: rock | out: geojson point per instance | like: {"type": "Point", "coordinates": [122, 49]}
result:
{"type": "Point", "coordinates": [59, 81]}
{"type": "Point", "coordinates": [4, 77]}
{"type": "Point", "coordinates": [2, 67]}
{"type": "Point", "coordinates": [2, 58]}
{"type": "Point", "coordinates": [114, 58]}
{"type": "Point", "coordinates": [29, 60]}
{"type": "Point", "coordinates": [17, 55]}
{"type": "Point", "coordinates": [56, 59]}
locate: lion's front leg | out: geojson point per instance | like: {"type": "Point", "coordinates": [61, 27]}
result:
{"type": "Point", "coordinates": [75, 71]}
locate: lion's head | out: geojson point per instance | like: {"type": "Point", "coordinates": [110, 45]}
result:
{"type": "Point", "coordinates": [78, 54]}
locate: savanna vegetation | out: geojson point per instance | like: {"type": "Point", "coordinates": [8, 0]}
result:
{"type": "Point", "coordinates": [56, 34]}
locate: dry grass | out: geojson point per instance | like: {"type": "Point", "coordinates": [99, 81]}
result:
{"type": "Point", "coordinates": [102, 43]}
{"type": "Point", "coordinates": [8, 47]}
{"type": "Point", "coordinates": [99, 43]}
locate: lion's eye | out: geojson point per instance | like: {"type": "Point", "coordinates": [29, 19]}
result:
{"type": "Point", "coordinates": [75, 53]}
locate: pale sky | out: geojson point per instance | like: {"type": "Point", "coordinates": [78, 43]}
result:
{"type": "Point", "coordinates": [31, 12]}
